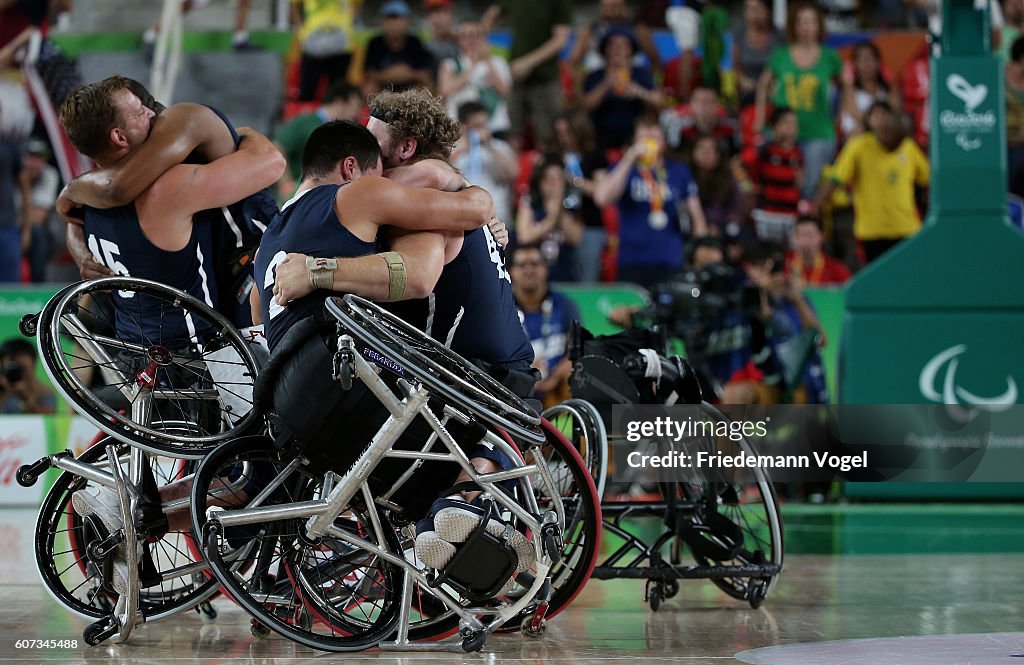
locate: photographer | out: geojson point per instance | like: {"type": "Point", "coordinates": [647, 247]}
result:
{"type": "Point", "coordinates": [706, 306]}
{"type": "Point", "coordinates": [484, 159]}
{"type": "Point", "coordinates": [785, 338]}
{"type": "Point", "coordinates": [745, 331]}
{"type": "Point", "coordinates": [20, 390]}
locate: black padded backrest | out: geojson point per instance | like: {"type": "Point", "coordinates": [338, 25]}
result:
{"type": "Point", "coordinates": [293, 340]}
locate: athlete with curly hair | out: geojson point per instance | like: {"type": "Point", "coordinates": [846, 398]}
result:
{"type": "Point", "coordinates": [411, 126]}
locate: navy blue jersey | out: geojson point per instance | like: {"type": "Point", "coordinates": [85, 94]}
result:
{"type": "Point", "coordinates": [472, 309]}
{"type": "Point", "coordinates": [237, 230]}
{"type": "Point", "coordinates": [308, 225]}
{"type": "Point", "coordinates": [115, 239]}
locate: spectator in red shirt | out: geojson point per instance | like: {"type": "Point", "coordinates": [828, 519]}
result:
{"type": "Point", "coordinates": [777, 166]}
{"type": "Point", "coordinates": [807, 260]}
{"type": "Point", "coordinates": [776, 169]}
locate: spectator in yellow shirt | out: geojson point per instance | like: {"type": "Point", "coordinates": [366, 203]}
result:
{"type": "Point", "coordinates": [880, 168]}
{"type": "Point", "coordinates": [325, 30]}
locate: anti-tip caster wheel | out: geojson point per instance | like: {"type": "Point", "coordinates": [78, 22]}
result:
{"type": "Point", "coordinates": [758, 592]}
{"type": "Point", "coordinates": [528, 630]}
{"type": "Point", "coordinates": [655, 594]}
{"type": "Point", "coordinates": [100, 631]}
{"type": "Point", "coordinates": [258, 630]}
{"type": "Point", "coordinates": [474, 641]}
{"type": "Point", "coordinates": [207, 612]}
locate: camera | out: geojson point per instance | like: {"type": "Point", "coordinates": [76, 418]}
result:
{"type": "Point", "coordinates": [701, 306]}
{"type": "Point", "coordinates": [13, 372]}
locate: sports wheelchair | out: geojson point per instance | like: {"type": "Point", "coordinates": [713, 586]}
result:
{"type": "Point", "coordinates": [731, 529]}
{"type": "Point", "coordinates": [183, 386]}
{"type": "Point", "coordinates": [333, 530]}
{"type": "Point", "coordinates": [166, 379]}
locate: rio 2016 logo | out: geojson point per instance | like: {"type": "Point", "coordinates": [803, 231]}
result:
{"type": "Point", "coordinates": [968, 124]}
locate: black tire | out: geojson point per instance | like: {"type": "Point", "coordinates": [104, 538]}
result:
{"type": "Point", "coordinates": [754, 508]}
{"type": "Point", "coordinates": [204, 374]}
{"type": "Point", "coordinates": [581, 538]}
{"type": "Point", "coordinates": [62, 538]}
{"type": "Point", "coordinates": [322, 582]}
{"type": "Point", "coordinates": [446, 374]}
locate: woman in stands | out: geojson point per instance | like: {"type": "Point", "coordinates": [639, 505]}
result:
{"type": "Point", "coordinates": [802, 71]}
{"type": "Point", "coordinates": [753, 43]}
{"type": "Point", "coordinates": [720, 194]}
{"type": "Point", "coordinates": [869, 85]}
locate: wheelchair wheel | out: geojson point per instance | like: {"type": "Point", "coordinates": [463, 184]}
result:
{"type": "Point", "coordinates": [581, 424]}
{"type": "Point", "coordinates": [326, 595]}
{"type": "Point", "coordinates": [159, 356]}
{"type": "Point", "coordinates": [442, 371]}
{"type": "Point", "coordinates": [752, 515]}
{"type": "Point", "coordinates": [581, 537]}
{"type": "Point", "coordinates": [62, 538]}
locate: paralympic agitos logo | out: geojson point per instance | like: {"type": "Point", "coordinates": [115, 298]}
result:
{"type": "Point", "coordinates": [937, 383]}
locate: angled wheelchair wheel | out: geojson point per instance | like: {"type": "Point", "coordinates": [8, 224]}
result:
{"type": "Point", "coordinates": [127, 353]}
{"type": "Point", "coordinates": [737, 523]}
{"type": "Point", "coordinates": [174, 582]}
{"type": "Point", "coordinates": [329, 594]}
{"type": "Point", "coordinates": [582, 426]}
{"type": "Point", "coordinates": [445, 373]}
{"type": "Point", "coordinates": [580, 541]}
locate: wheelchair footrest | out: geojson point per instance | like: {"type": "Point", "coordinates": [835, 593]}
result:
{"type": "Point", "coordinates": [481, 566]}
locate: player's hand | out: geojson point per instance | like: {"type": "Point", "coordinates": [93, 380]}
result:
{"type": "Point", "coordinates": [69, 209]}
{"type": "Point", "coordinates": [250, 139]}
{"type": "Point", "coordinates": [291, 280]}
{"type": "Point", "coordinates": [499, 230]}
{"type": "Point", "coordinates": [90, 268]}
{"type": "Point", "coordinates": [623, 315]}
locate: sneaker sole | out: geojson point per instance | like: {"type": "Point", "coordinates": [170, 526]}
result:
{"type": "Point", "coordinates": [432, 550]}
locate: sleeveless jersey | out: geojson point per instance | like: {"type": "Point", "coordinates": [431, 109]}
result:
{"type": "Point", "coordinates": [307, 225]}
{"type": "Point", "coordinates": [472, 310]}
{"type": "Point", "coordinates": [116, 240]}
{"type": "Point", "coordinates": [237, 230]}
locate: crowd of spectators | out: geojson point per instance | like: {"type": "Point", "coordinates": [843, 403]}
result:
{"type": "Point", "coordinates": [749, 140]}
{"type": "Point", "coordinates": [796, 162]}
{"type": "Point", "coordinates": [652, 151]}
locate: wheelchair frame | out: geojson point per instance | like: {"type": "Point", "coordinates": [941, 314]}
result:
{"type": "Point", "coordinates": [177, 439]}
{"type": "Point", "coordinates": [128, 611]}
{"type": "Point", "coordinates": [139, 389]}
{"type": "Point", "coordinates": [477, 396]}
{"type": "Point", "coordinates": [403, 407]}
{"type": "Point", "coordinates": [638, 558]}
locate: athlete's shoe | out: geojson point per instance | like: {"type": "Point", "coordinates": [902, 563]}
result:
{"type": "Point", "coordinates": [119, 576]}
{"type": "Point", "coordinates": [453, 522]}
{"type": "Point", "coordinates": [104, 504]}
{"type": "Point", "coordinates": [431, 549]}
